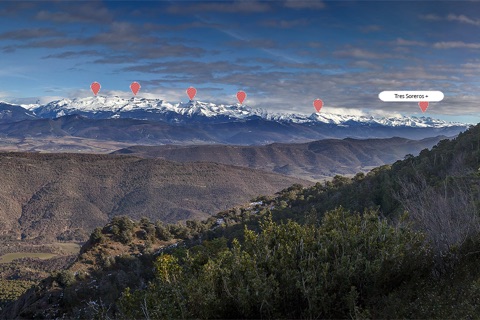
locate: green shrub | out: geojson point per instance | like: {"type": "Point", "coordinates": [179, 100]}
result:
{"type": "Point", "coordinates": [65, 278]}
{"type": "Point", "coordinates": [97, 236]}
{"type": "Point", "coordinates": [10, 290]}
{"type": "Point", "coordinates": [162, 232]}
{"type": "Point", "coordinates": [342, 268]}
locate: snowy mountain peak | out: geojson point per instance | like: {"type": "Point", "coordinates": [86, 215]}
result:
{"type": "Point", "coordinates": [404, 121]}
{"type": "Point", "coordinates": [116, 106]}
{"type": "Point", "coordinates": [156, 109]}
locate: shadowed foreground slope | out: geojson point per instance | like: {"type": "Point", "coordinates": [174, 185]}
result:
{"type": "Point", "coordinates": [334, 259]}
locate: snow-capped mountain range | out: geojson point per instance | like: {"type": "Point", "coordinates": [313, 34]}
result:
{"type": "Point", "coordinates": [101, 107]}
{"type": "Point", "coordinates": [157, 122]}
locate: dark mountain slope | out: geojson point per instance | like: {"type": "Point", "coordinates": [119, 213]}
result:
{"type": "Point", "coordinates": [122, 130]}
{"type": "Point", "coordinates": [12, 113]}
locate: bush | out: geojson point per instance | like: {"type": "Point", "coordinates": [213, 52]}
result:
{"type": "Point", "coordinates": [97, 236]}
{"type": "Point", "coordinates": [11, 290]}
{"type": "Point", "coordinates": [65, 278]}
{"type": "Point", "coordinates": [123, 223]}
{"type": "Point", "coordinates": [179, 231]}
{"type": "Point", "coordinates": [162, 232]}
{"type": "Point", "coordinates": [342, 268]}
{"type": "Point", "coordinates": [122, 228]}
{"type": "Point", "coordinates": [125, 237]}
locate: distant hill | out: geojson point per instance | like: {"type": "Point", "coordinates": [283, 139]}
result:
{"type": "Point", "coordinates": [313, 160]}
{"type": "Point", "coordinates": [13, 113]}
{"type": "Point", "coordinates": [48, 196]}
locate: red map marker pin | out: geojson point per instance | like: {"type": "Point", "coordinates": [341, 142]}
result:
{"type": "Point", "coordinates": [317, 103]}
{"type": "Point", "coordinates": [241, 95]}
{"type": "Point", "coordinates": [95, 86]}
{"type": "Point", "coordinates": [135, 87]}
{"type": "Point", "coordinates": [423, 105]}
{"type": "Point", "coordinates": [191, 92]}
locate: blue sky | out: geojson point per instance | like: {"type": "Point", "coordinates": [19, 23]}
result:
{"type": "Point", "coordinates": [282, 53]}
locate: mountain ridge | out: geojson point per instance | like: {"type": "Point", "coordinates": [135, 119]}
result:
{"type": "Point", "coordinates": [114, 107]}
{"type": "Point", "coordinates": [251, 132]}
{"type": "Point", "coordinates": [315, 160]}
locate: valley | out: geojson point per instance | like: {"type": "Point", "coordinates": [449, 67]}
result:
{"type": "Point", "coordinates": [8, 254]}
{"type": "Point", "coordinates": [10, 257]}
{"type": "Point", "coordinates": [60, 145]}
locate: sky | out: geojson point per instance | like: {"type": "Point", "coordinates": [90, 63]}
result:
{"type": "Point", "coordinates": [283, 53]}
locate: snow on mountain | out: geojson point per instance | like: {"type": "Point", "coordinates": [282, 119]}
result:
{"type": "Point", "coordinates": [116, 106]}
{"type": "Point", "coordinates": [155, 109]}
{"type": "Point", "coordinates": [30, 106]}
{"type": "Point", "coordinates": [24, 106]}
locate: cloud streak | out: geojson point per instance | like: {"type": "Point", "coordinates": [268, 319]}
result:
{"type": "Point", "coordinates": [301, 4]}
{"type": "Point", "coordinates": [455, 45]}
{"type": "Point", "coordinates": [237, 7]}
{"type": "Point", "coordinates": [27, 34]}
{"type": "Point", "coordinates": [452, 17]}
{"type": "Point", "coordinates": [286, 24]}
{"type": "Point", "coordinates": [71, 12]}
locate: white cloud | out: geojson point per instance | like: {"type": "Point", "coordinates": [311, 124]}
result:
{"type": "Point", "coordinates": [4, 94]}
{"type": "Point", "coordinates": [464, 19]}
{"type": "Point", "coordinates": [471, 66]}
{"type": "Point", "coordinates": [403, 42]}
{"type": "Point", "coordinates": [456, 44]}
{"type": "Point", "coordinates": [33, 100]}
{"type": "Point", "coordinates": [371, 28]}
{"type": "Point", "coordinates": [366, 64]}
{"type": "Point", "coordinates": [343, 111]}
{"type": "Point", "coordinates": [361, 54]}
{"type": "Point", "coordinates": [452, 17]}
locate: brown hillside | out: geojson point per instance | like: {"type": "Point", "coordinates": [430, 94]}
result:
{"type": "Point", "coordinates": [45, 196]}
{"type": "Point", "coordinates": [313, 160]}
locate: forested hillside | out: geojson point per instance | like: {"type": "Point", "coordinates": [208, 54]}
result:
{"type": "Point", "coordinates": [399, 242]}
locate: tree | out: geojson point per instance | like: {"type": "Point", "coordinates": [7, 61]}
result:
{"type": "Point", "coordinates": [162, 232]}
{"type": "Point", "coordinates": [65, 278]}
{"type": "Point", "coordinates": [339, 181]}
{"type": "Point", "coordinates": [122, 228]}
{"type": "Point", "coordinates": [97, 236]}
